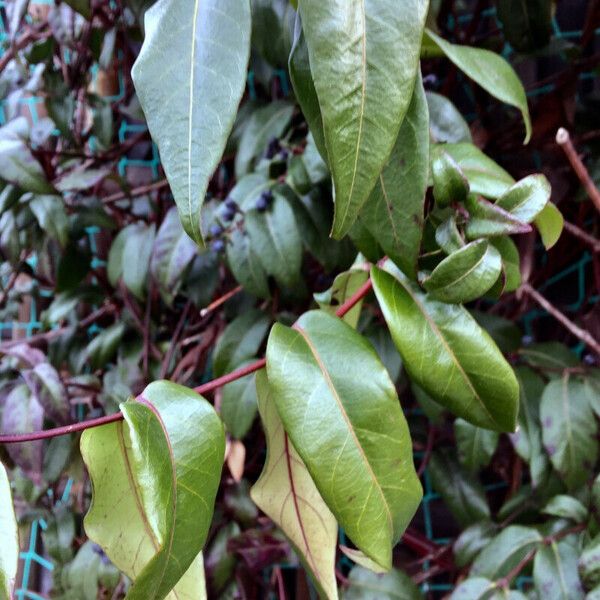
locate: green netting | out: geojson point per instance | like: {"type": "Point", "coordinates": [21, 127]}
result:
{"type": "Point", "coordinates": [577, 275]}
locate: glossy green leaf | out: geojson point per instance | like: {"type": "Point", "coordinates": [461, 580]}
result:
{"type": "Point", "coordinates": [485, 176]}
{"type": "Point", "coordinates": [472, 541]}
{"type": "Point", "coordinates": [245, 265]}
{"type": "Point", "coordinates": [360, 558]}
{"type": "Point", "coordinates": [527, 24]}
{"type": "Point", "coordinates": [550, 224]}
{"type": "Point", "coordinates": [192, 64]}
{"type": "Point", "coordinates": [393, 212]}
{"type": "Point", "coordinates": [448, 236]}
{"type": "Point", "coordinates": [358, 45]}
{"type": "Point", "coordinates": [238, 405]}
{"type": "Point", "coordinates": [266, 123]}
{"type": "Point", "coordinates": [527, 440]}
{"type": "Point", "coordinates": [366, 243]}
{"type": "Point", "coordinates": [470, 376]}
{"type": "Point", "coordinates": [466, 274]}
{"type": "Point", "coordinates": [272, 30]}
{"type": "Point", "coordinates": [505, 551]}
{"type": "Point", "coordinates": [155, 475]}
{"type": "Point", "coordinates": [45, 384]}
{"type": "Point", "coordinates": [549, 355]}
{"type": "Point", "coordinates": [492, 72]}
{"type": "Point", "coordinates": [449, 182]}
{"type": "Point", "coordinates": [286, 492]}
{"type": "Point", "coordinates": [18, 166]}
{"type": "Point", "coordinates": [50, 213]}
{"type": "Point", "coordinates": [172, 253]}
{"type": "Point", "coordinates": [275, 238]}
{"type": "Point", "coordinates": [527, 198]}
{"type": "Point", "coordinates": [555, 571]}
{"type": "Point", "coordinates": [589, 563]}
{"type": "Point", "coordinates": [460, 490]}
{"type": "Point", "coordinates": [304, 87]}
{"type": "Point", "coordinates": [511, 262]}
{"type": "Point", "coordinates": [363, 584]}
{"type": "Point", "coordinates": [475, 445]}
{"type": "Point", "coordinates": [349, 431]}
{"type": "Point", "coordinates": [240, 341]}
{"type": "Point", "coordinates": [344, 286]}
{"type": "Point", "coordinates": [488, 220]}
{"type": "Point", "coordinates": [566, 507]}
{"type": "Point", "coordinates": [9, 549]}
{"type": "Point", "coordinates": [104, 346]}
{"type": "Point", "coordinates": [569, 429]}
{"type": "Point", "coordinates": [381, 339]}
{"type": "Point", "coordinates": [446, 124]}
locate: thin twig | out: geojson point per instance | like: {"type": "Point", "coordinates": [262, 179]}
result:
{"type": "Point", "coordinates": [577, 331]}
{"type": "Point", "coordinates": [563, 139]}
{"type": "Point", "coordinates": [138, 191]}
{"type": "Point", "coordinates": [221, 300]}
{"type": "Point", "coordinates": [583, 236]}
{"type": "Point", "coordinates": [178, 329]}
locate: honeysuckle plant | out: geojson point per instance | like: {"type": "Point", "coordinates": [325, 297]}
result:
{"type": "Point", "coordinates": [356, 218]}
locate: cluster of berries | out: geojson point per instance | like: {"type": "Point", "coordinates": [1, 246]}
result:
{"type": "Point", "coordinates": [274, 149]}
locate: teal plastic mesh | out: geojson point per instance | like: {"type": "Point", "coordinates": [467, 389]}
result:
{"type": "Point", "coordinates": [577, 272]}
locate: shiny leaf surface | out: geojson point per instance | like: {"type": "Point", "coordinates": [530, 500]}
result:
{"type": "Point", "coordinates": [192, 64]}
{"type": "Point", "coordinates": [488, 220]}
{"type": "Point", "coordinates": [354, 47]}
{"type": "Point", "coordinates": [155, 475]}
{"type": "Point", "coordinates": [475, 445]}
{"type": "Point", "coordinates": [526, 198]}
{"type": "Point", "coordinates": [286, 492]}
{"type": "Point", "coordinates": [342, 413]}
{"type": "Point", "coordinates": [394, 211]}
{"type": "Point", "coordinates": [449, 182]}
{"type": "Point", "coordinates": [446, 352]}
{"type": "Point", "coordinates": [492, 72]}
{"type": "Point", "coordinates": [466, 274]}
{"type": "Point", "coordinates": [555, 571]}
{"type": "Point", "coordinates": [549, 223]}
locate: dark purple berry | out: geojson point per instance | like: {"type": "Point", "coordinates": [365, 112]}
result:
{"type": "Point", "coordinates": [228, 215]}
{"type": "Point", "coordinates": [231, 204]}
{"type": "Point", "coordinates": [272, 148]}
{"type": "Point", "coordinates": [527, 340]}
{"type": "Point", "coordinates": [283, 155]}
{"type": "Point", "coordinates": [215, 230]}
{"type": "Point", "coordinates": [589, 360]}
{"type": "Point", "coordinates": [267, 195]}
{"type": "Point", "coordinates": [217, 246]}
{"type": "Point", "coordinates": [262, 204]}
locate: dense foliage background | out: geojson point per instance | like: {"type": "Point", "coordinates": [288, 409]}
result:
{"type": "Point", "coordinates": [103, 292]}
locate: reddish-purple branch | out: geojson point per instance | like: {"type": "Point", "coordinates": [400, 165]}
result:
{"type": "Point", "coordinates": [201, 389]}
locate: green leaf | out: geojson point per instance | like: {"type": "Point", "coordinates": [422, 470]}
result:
{"type": "Point", "coordinates": [104, 346]}
{"type": "Point", "coordinates": [474, 588]}
{"type": "Point", "coordinates": [393, 212]}
{"type": "Point", "coordinates": [220, 562]}
{"type": "Point", "coordinates": [472, 541]}
{"type": "Point", "coordinates": [240, 341]}
{"type": "Point", "coordinates": [360, 558]}
{"type": "Point", "coordinates": [238, 405]}
{"type": "Point", "coordinates": [267, 122]}
{"type": "Point", "coordinates": [527, 24]}
{"type": "Point", "coordinates": [304, 87]}
{"type": "Point", "coordinates": [470, 376]}
{"type": "Point", "coordinates": [46, 385]}
{"type": "Point", "coordinates": [527, 440]}
{"type": "Point", "coordinates": [192, 64]}
{"type": "Point", "coordinates": [359, 45]}
{"type": "Point", "coordinates": [449, 182]}
{"type": "Point", "coordinates": [172, 253]}
{"type": "Point", "coordinates": [485, 176]}
{"type": "Point", "coordinates": [9, 549]}
{"type": "Point", "coordinates": [350, 432]}
{"type": "Point", "coordinates": [344, 286]}
{"type": "Point", "coordinates": [511, 262]}
{"type": "Point", "coordinates": [569, 429]}
{"type": "Point", "coordinates": [446, 124]}
{"type": "Point", "coordinates": [527, 198]}
{"type": "Point", "coordinates": [488, 220]}
{"type": "Point", "coordinates": [78, 180]}
{"type": "Point", "coordinates": [275, 238]}
{"type": "Point", "coordinates": [81, 6]}
{"type": "Point", "coordinates": [155, 476]}
{"type": "Point", "coordinates": [549, 355]}
{"type": "Point", "coordinates": [589, 564]}
{"type": "Point", "coordinates": [18, 166]}
{"type": "Point", "coordinates": [492, 72]}
{"type": "Point", "coordinates": [245, 264]}
{"type": "Point", "coordinates": [448, 236]}
{"type": "Point", "coordinates": [566, 507]}
{"type": "Point", "coordinates": [50, 214]}
{"type": "Point", "coordinates": [460, 490]}
{"type": "Point", "coordinates": [366, 585]}
{"type": "Point", "coordinates": [272, 29]}
{"type": "Point", "coordinates": [466, 274]}
{"type": "Point", "coordinates": [475, 445]}
{"type": "Point", "coordinates": [503, 331]}
{"type": "Point", "coordinates": [505, 551]}
{"type": "Point", "coordinates": [72, 268]}
{"type": "Point", "coordinates": [286, 492]}
{"type": "Point", "coordinates": [129, 257]}
{"type": "Point", "coordinates": [555, 571]}
{"type": "Point", "coordinates": [550, 224]}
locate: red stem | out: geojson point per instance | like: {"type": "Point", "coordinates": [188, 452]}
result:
{"type": "Point", "coordinates": [201, 389]}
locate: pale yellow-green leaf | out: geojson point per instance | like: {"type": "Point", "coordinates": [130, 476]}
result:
{"type": "Point", "coordinates": [286, 492]}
